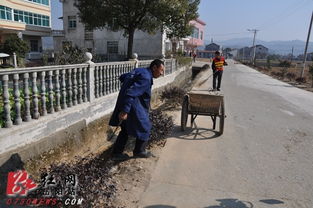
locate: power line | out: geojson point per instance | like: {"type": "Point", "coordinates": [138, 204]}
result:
{"type": "Point", "coordinates": [286, 13]}
{"type": "Point", "coordinates": [225, 34]}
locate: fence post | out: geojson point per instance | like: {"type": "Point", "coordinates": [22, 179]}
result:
{"type": "Point", "coordinates": [135, 59]}
{"type": "Point", "coordinates": [14, 60]}
{"type": "Point", "coordinates": [91, 77]}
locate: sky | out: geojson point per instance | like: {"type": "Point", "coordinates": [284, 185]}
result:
{"type": "Point", "coordinates": [276, 19]}
{"type": "Point", "coordinates": [227, 19]}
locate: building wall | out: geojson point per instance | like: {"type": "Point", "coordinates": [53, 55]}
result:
{"type": "Point", "coordinates": [197, 41]}
{"type": "Point", "coordinates": [24, 30]}
{"type": "Point", "coordinates": [26, 6]}
{"type": "Point", "coordinates": [145, 45]}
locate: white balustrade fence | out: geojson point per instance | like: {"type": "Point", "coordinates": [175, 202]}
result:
{"type": "Point", "coordinates": [28, 93]}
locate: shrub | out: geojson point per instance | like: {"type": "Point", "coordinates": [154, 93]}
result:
{"type": "Point", "coordinates": [290, 76]}
{"type": "Point", "coordinates": [283, 72]}
{"type": "Point", "coordinates": [183, 61]}
{"type": "Point", "coordinates": [311, 72]}
{"type": "Point", "coordinates": [301, 79]}
{"type": "Point", "coordinates": [162, 125]}
{"type": "Point", "coordinates": [70, 55]}
{"type": "Point", "coordinates": [173, 95]}
{"type": "Point", "coordinates": [284, 63]}
{"type": "Point", "coordinates": [15, 45]}
{"type": "Point", "coordinates": [268, 62]}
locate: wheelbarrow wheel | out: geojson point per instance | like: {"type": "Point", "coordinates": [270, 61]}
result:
{"type": "Point", "coordinates": [222, 118]}
{"type": "Point", "coordinates": [184, 113]}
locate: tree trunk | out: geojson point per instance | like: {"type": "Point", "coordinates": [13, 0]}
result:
{"type": "Point", "coordinates": [131, 33]}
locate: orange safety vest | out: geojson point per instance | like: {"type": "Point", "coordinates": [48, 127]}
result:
{"type": "Point", "coordinates": [219, 63]}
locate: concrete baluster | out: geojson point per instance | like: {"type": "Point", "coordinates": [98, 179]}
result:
{"type": "Point", "coordinates": [43, 93]}
{"type": "Point", "coordinates": [69, 88]}
{"type": "Point", "coordinates": [51, 93]}
{"type": "Point", "coordinates": [100, 81]}
{"type": "Point", "coordinates": [6, 102]}
{"type": "Point", "coordinates": [96, 82]}
{"type": "Point", "coordinates": [17, 104]}
{"type": "Point", "coordinates": [85, 92]}
{"type": "Point", "coordinates": [80, 85]}
{"type": "Point", "coordinates": [63, 86]}
{"type": "Point", "coordinates": [74, 86]}
{"type": "Point", "coordinates": [57, 91]}
{"type": "Point", "coordinates": [26, 98]}
{"type": "Point", "coordinates": [35, 96]}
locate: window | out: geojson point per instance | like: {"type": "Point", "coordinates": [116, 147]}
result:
{"type": "Point", "coordinates": [44, 2]}
{"type": "Point", "coordinates": [5, 13]}
{"type": "Point", "coordinates": [112, 47]}
{"type": "Point", "coordinates": [71, 22]}
{"type": "Point", "coordinates": [88, 34]}
{"type": "Point", "coordinates": [31, 18]}
{"type": "Point", "coordinates": [201, 35]}
{"type": "Point", "coordinates": [195, 33]}
{"type": "Point", "coordinates": [34, 45]}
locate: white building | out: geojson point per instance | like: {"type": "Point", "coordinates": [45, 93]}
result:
{"type": "Point", "coordinates": [111, 45]}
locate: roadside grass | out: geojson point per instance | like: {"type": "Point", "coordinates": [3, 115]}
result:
{"type": "Point", "coordinates": [290, 75]}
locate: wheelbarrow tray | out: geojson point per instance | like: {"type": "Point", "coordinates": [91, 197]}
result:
{"type": "Point", "coordinates": [205, 102]}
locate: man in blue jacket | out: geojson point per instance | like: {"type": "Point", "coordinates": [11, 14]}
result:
{"type": "Point", "coordinates": [132, 109]}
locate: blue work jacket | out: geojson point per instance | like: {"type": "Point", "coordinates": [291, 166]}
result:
{"type": "Point", "coordinates": [134, 98]}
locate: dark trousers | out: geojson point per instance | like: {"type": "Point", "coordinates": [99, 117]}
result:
{"type": "Point", "coordinates": [122, 139]}
{"type": "Point", "coordinates": [217, 75]}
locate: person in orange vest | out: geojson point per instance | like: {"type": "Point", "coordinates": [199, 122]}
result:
{"type": "Point", "coordinates": [218, 64]}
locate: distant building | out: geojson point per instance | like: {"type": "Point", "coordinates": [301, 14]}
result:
{"type": "Point", "coordinates": [244, 53]}
{"type": "Point", "coordinates": [29, 19]}
{"type": "Point", "coordinates": [209, 51]}
{"type": "Point", "coordinates": [260, 51]}
{"type": "Point", "coordinates": [212, 47]}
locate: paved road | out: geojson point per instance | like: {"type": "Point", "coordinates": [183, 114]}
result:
{"type": "Point", "coordinates": [263, 159]}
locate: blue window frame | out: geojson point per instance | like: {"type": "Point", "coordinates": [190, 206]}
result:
{"type": "Point", "coordinates": [44, 2]}
{"type": "Point", "coordinates": [31, 18]}
{"type": "Point", "coordinates": [5, 13]}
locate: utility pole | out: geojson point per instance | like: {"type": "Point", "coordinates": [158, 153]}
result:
{"type": "Point", "coordinates": [254, 31]}
{"type": "Point", "coordinates": [291, 55]}
{"type": "Point", "coordinates": [306, 46]}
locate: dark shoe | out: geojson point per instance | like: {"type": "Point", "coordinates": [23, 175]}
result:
{"type": "Point", "coordinates": [143, 155]}
{"type": "Point", "coordinates": [120, 157]}
{"type": "Point", "coordinates": [218, 89]}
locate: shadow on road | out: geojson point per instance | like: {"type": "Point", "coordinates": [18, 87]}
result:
{"type": "Point", "coordinates": [159, 206]}
{"type": "Point", "coordinates": [194, 133]}
{"type": "Point", "coordinates": [232, 203]}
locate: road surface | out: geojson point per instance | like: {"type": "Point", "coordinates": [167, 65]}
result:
{"type": "Point", "coordinates": [263, 159]}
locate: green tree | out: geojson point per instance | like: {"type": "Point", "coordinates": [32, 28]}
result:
{"type": "Point", "coordinates": [15, 44]}
{"type": "Point", "coordinates": [145, 15]}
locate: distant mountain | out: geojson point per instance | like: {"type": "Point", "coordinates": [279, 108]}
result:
{"type": "Point", "coordinates": [277, 47]}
